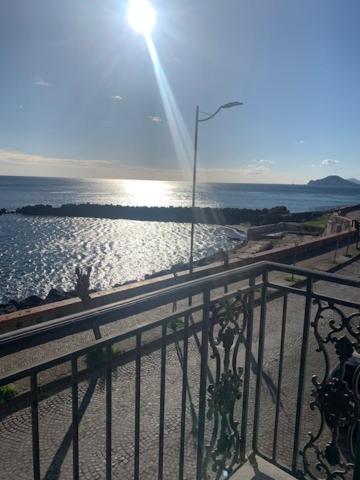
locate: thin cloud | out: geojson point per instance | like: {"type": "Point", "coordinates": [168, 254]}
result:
{"type": "Point", "coordinates": [20, 163]}
{"type": "Point", "coordinates": [16, 158]}
{"type": "Point", "coordinates": [260, 167]}
{"type": "Point", "coordinates": [329, 161]}
{"type": "Point", "coordinates": [154, 118]}
{"type": "Point", "coordinates": [40, 82]}
{"type": "Point", "coordinates": [118, 98]}
{"type": "Point", "coordinates": [263, 161]}
{"type": "Point", "coordinates": [325, 163]}
{"type": "Point", "coordinates": [300, 141]}
{"type": "Point", "coordinates": [248, 174]}
{"type": "Point", "coordinates": [20, 106]}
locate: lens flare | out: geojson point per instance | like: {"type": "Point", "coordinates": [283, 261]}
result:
{"type": "Point", "coordinates": [180, 135]}
{"type": "Point", "coordinates": [141, 16]}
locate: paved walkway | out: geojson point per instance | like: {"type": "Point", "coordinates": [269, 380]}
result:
{"type": "Point", "coordinates": [55, 413]}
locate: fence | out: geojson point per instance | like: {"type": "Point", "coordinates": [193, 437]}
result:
{"type": "Point", "coordinates": [188, 394]}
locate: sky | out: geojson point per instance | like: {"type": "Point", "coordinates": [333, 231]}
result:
{"type": "Point", "coordinates": [84, 95]}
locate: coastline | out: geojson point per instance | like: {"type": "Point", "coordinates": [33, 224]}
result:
{"type": "Point", "coordinates": [245, 249]}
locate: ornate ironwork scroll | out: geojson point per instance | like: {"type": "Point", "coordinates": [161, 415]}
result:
{"type": "Point", "coordinates": [228, 320]}
{"type": "Point", "coordinates": [336, 396]}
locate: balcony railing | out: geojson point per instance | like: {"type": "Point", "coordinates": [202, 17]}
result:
{"type": "Point", "coordinates": [187, 389]}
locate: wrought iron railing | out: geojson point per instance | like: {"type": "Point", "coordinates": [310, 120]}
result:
{"type": "Point", "coordinates": [190, 393]}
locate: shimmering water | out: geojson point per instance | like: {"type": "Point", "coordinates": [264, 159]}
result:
{"type": "Point", "coordinates": [40, 253]}
{"type": "Point", "coordinates": [37, 253]}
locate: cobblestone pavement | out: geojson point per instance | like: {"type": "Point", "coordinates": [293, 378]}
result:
{"type": "Point", "coordinates": [55, 412]}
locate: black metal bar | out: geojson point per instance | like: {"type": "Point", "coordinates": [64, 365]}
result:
{"type": "Point", "coordinates": [162, 402]}
{"type": "Point", "coordinates": [111, 339]}
{"type": "Point", "coordinates": [98, 344]}
{"type": "Point", "coordinates": [284, 288]}
{"type": "Point", "coordinates": [259, 371]}
{"type": "Point", "coordinates": [35, 427]}
{"type": "Point", "coordinates": [203, 379]}
{"type": "Point", "coordinates": [109, 413]}
{"type": "Point", "coordinates": [137, 408]}
{"type": "Point", "coordinates": [183, 398]}
{"type": "Point", "coordinates": [247, 369]}
{"type": "Point", "coordinates": [75, 417]}
{"type": "Point", "coordinates": [336, 301]}
{"type": "Point", "coordinates": [325, 298]}
{"type": "Point", "coordinates": [302, 369]}
{"type": "Point", "coordinates": [315, 275]}
{"type": "Point", "coordinates": [281, 362]}
{"type": "Point", "coordinates": [236, 291]}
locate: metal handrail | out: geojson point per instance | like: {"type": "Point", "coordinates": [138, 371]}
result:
{"type": "Point", "coordinates": [81, 321]}
{"type": "Point", "coordinates": [114, 338]}
{"type": "Point", "coordinates": [78, 322]}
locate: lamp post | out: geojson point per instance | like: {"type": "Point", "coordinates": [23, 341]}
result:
{"type": "Point", "coordinates": [197, 121]}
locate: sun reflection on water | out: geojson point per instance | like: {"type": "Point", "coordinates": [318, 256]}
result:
{"type": "Point", "coordinates": [147, 192]}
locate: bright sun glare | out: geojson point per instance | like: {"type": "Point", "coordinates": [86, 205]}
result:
{"type": "Point", "coordinates": [141, 16]}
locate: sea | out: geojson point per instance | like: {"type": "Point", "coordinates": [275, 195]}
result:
{"type": "Point", "coordinates": [38, 253]}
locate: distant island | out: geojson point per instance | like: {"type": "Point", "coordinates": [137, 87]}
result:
{"type": "Point", "coordinates": [354, 180]}
{"type": "Point", "coordinates": [334, 181]}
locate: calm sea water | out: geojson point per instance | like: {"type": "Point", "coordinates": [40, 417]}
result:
{"type": "Point", "coordinates": [39, 253]}
{"type": "Point", "coordinates": [19, 191]}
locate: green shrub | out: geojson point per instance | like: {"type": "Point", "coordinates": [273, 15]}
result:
{"type": "Point", "coordinates": [98, 356]}
{"type": "Point", "coordinates": [313, 228]}
{"type": "Point", "coordinates": [177, 324]}
{"type": "Point", "coordinates": [295, 278]}
{"type": "Point", "coordinates": [315, 225]}
{"type": "Point", "coordinates": [7, 393]}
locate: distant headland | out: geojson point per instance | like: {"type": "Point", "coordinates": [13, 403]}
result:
{"type": "Point", "coordinates": [334, 181]}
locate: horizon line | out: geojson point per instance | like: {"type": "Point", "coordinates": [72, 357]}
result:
{"type": "Point", "coordinates": [149, 180]}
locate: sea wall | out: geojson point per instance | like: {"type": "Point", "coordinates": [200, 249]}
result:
{"type": "Point", "coordinates": [206, 215]}
{"type": "Point", "coordinates": [24, 318]}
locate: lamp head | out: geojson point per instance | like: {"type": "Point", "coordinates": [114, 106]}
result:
{"type": "Point", "coordinates": [232, 104]}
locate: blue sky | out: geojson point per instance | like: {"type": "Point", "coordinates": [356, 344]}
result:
{"type": "Point", "coordinates": [80, 97]}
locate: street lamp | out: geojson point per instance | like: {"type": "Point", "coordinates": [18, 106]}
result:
{"type": "Point", "coordinates": [197, 121]}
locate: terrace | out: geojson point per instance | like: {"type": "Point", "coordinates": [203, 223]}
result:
{"type": "Point", "coordinates": [212, 378]}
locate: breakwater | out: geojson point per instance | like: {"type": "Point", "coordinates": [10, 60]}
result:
{"type": "Point", "coordinates": [207, 215]}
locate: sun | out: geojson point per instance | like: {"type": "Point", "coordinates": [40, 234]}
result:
{"type": "Point", "coordinates": [141, 16]}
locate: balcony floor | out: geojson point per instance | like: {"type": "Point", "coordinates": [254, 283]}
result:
{"type": "Point", "coordinates": [258, 469]}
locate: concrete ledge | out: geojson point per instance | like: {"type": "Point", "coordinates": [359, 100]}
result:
{"type": "Point", "coordinates": [51, 311]}
{"type": "Point", "coordinates": [259, 469]}
{"type": "Point", "coordinates": [258, 232]}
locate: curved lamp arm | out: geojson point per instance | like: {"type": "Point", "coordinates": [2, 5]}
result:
{"type": "Point", "coordinates": [226, 105]}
